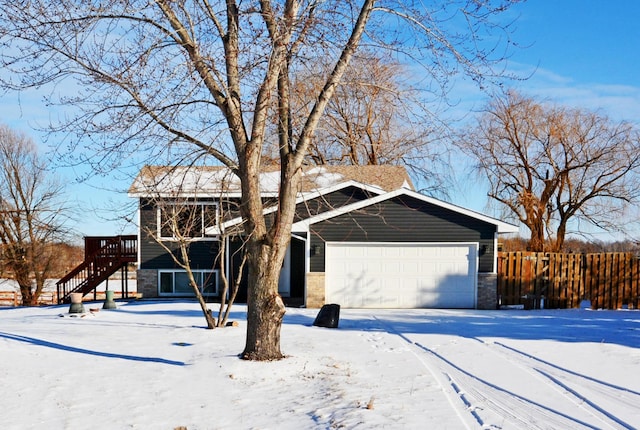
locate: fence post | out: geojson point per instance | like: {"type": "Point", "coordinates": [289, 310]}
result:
{"type": "Point", "coordinates": [608, 280]}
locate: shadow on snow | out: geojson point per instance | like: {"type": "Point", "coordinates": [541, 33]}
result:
{"type": "Point", "coordinates": [54, 345]}
{"type": "Point", "coordinates": [572, 326]}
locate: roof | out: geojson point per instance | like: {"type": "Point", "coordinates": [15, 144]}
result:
{"type": "Point", "coordinates": [212, 181]}
{"type": "Point", "coordinates": [303, 225]}
{"type": "Point", "coordinates": [302, 197]}
{"type": "Point", "coordinates": [501, 226]}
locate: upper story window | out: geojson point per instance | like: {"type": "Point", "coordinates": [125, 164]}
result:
{"type": "Point", "coordinates": [186, 219]}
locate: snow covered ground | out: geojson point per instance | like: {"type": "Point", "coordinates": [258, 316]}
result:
{"type": "Point", "coordinates": [152, 365]}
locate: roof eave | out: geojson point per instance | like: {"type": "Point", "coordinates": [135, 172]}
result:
{"type": "Point", "coordinates": [302, 198]}
{"type": "Point", "coordinates": [501, 226]}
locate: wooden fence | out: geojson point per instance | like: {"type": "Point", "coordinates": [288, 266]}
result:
{"type": "Point", "coordinates": [553, 280]}
{"type": "Point", "coordinates": [9, 298]}
{"type": "Point", "coordinates": [13, 298]}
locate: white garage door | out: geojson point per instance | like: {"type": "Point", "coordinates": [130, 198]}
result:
{"type": "Point", "coordinates": [401, 275]}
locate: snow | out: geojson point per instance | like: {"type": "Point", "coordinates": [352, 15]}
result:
{"type": "Point", "coordinates": [323, 178]}
{"type": "Point", "coordinates": [174, 181]}
{"type": "Point", "coordinates": [152, 365]}
{"type": "Point", "coordinates": [183, 179]}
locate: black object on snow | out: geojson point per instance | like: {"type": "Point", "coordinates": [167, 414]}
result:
{"type": "Point", "coordinates": [329, 316]}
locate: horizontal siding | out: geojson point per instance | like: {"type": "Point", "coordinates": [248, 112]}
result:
{"type": "Point", "coordinates": [330, 201]}
{"type": "Point", "coordinates": [153, 256]}
{"type": "Point", "coordinates": [324, 203]}
{"type": "Point", "coordinates": [403, 219]}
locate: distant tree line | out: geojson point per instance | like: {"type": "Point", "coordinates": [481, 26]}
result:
{"type": "Point", "coordinates": [574, 245]}
{"type": "Point", "coordinates": [68, 256]}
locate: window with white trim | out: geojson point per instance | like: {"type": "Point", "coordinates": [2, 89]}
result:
{"type": "Point", "coordinates": [186, 219]}
{"type": "Point", "coordinates": [176, 282]}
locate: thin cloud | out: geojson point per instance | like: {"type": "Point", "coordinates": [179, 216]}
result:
{"type": "Point", "coordinates": [620, 102]}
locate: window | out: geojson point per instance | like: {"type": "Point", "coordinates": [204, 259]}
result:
{"type": "Point", "coordinates": [186, 219]}
{"type": "Point", "coordinates": [176, 282]}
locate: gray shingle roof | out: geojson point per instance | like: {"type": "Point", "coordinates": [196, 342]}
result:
{"type": "Point", "coordinates": [215, 180]}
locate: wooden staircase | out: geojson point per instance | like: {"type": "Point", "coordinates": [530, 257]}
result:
{"type": "Point", "coordinates": [103, 256]}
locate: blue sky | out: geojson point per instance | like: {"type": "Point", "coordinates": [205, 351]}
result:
{"type": "Point", "coordinates": [586, 53]}
{"type": "Point", "coordinates": [585, 41]}
{"type": "Point", "coordinates": [582, 53]}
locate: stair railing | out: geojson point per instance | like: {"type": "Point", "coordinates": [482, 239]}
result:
{"type": "Point", "coordinates": [98, 266]}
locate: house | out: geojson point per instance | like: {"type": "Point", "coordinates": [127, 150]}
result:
{"type": "Point", "coordinates": [362, 237]}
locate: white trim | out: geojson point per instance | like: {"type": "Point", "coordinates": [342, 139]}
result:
{"type": "Point", "coordinates": [218, 229]}
{"type": "Point", "coordinates": [502, 226]}
{"type": "Point", "coordinates": [204, 236]}
{"type": "Point", "coordinates": [396, 243]}
{"type": "Point", "coordinates": [227, 261]}
{"type": "Point", "coordinates": [495, 253]}
{"type": "Point", "coordinates": [307, 266]}
{"type": "Point", "coordinates": [295, 236]}
{"type": "Point", "coordinates": [342, 185]}
{"type": "Point", "coordinates": [217, 194]}
{"type": "Point", "coordinates": [186, 195]}
{"type": "Point", "coordinates": [284, 279]}
{"type": "Point", "coordinates": [139, 256]}
{"type": "Point", "coordinates": [214, 272]}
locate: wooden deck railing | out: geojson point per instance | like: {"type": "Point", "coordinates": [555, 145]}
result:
{"type": "Point", "coordinates": [103, 257]}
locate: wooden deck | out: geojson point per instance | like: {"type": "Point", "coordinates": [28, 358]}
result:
{"type": "Point", "coordinates": [103, 256]}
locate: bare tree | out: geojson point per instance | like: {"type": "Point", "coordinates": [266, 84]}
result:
{"type": "Point", "coordinates": [32, 215]}
{"type": "Point", "coordinates": [375, 118]}
{"type": "Point", "coordinates": [157, 78]}
{"type": "Point", "coordinates": [229, 293]}
{"type": "Point", "coordinates": [549, 165]}
{"type": "Point", "coordinates": [182, 222]}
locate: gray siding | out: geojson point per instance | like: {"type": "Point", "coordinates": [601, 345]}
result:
{"type": "Point", "coordinates": [326, 202]}
{"type": "Point", "coordinates": [403, 219]}
{"type": "Point", "coordinates": [330, 201]}
{"type": "Point", "coordinates": [153, 256]}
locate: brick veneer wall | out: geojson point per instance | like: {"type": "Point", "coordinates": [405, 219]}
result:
{"type": "Point", "coordinates": [148, 283]}
{"type": "Point", "coordinates": [315, 290]}
{"type": "Point", "coordinates": [487, 291]}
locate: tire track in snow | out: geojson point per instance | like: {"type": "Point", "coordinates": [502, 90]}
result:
{"type": "Point", "coordinates": [571, 384]}
{"type": "Point", "coordinates": [486, 404]}
{"type": "Point", "coordinates": [468, 418]}
{"type": "Point", "coordinates": [497, 407]}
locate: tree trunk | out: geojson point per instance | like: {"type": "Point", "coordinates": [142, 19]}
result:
{"type": "Point", "coordinates": [27, 295]}
{"type": "Point", "coordinates": [211, 322]}
{"type": "Point", "coordinates": [561, 233]}
{"type": "Point", "coordinates": [536, 242]}
{"type": "Point", "coordinates": [21, 276]}
{"type": "Point", "coordinates": [225, 306]}
{"type": "Point", "coordinates": [265, 308]}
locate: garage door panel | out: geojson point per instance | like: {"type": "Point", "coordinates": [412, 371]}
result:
{"type": "Point", "coordinates": [401, 275]}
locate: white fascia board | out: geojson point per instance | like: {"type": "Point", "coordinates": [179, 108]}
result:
{"type": "Point", "coordinates": [505, 227]}
{"type": "Point", "coordinates": [183, 195]}
{"type": "Point", "coordinates": [220, 228]}
{"type": "Point", "coordinates": [236, 194]}
{"type": "Point", "coordinates": [351, 183]}
{"type": "Point", "coordinates": [302, 198]}
{"type": "Point", "coordinates": [502, 227]}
